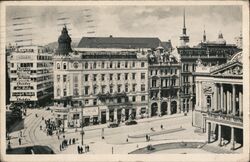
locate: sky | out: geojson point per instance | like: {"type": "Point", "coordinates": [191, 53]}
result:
{"type": "Point", "coordinates": [164, 22]}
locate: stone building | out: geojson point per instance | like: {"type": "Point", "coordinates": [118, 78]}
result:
{"type": "Point", "coordinates": [209, 52]}
{"type": "Point", "coordinates": [219, 104]}
{"type": "Point", "coordinates": [164, 83]}
{"type": "Point", "coordinates": [104, 78]}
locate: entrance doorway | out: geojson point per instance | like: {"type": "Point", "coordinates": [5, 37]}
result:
{"type": "Point", "coordinates": [154, 108]}
{"type": "Point", "coordinates": [173, 107]}
{"type": "Point", "coordinates": [164, 108]}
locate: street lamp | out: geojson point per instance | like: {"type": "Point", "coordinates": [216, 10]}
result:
{"type": "Point", "coordinates": [82, 132]}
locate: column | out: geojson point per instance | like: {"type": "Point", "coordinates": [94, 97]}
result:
{"type": "Point", "coordinates": [197, 93]}
{"type": "Point", "coordinates": [107, 115]}
{"type": "Point", "coordinates": [218, 97]}
{"type": "Point", "coordinates": [215, 97]}
{"type": "Point", "coordinates": [186, 105]}
{"type": "Point", "coordinates": [228, 102]}
{"type": "Point", "coordinates": [159, 108]}
{"type": "Point", "coordinates": [240, 103]}
{"type": "Point", "coordinates": [130, 112]}
{"type": "Point", "coordinates": [233, 98]}
{"type": "Point", "coordinates": [115, 115]}
{"type": "Point", "coordinates": [169, 108]}
{"type": "Point", "coordinates": [100, 116]}
{"type": "Point", "coordinates": [219, 134]}
{"type": "Point", "coordinates": [200, 91]}
{"type": "Point", "coordinates": [190, 105]}
{"type": "Point", "coordinates": [225, 101]}
{"type": "Point", "coordinates": [232, 138]}
{"type": "Point", "coordinates": [221, 97]}
{"type": "Point", "coordinates": [208, 132]}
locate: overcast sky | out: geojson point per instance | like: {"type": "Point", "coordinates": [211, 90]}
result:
{"type": "Point", "coordinates": [165, 22]}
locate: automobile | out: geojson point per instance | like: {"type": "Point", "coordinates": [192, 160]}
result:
{"type": "Point", "coordinates": [37, 149]}
{"type": "Point", "coordinates": [131, 122]}
{"type": "Point", "coordinates": [113, 125]}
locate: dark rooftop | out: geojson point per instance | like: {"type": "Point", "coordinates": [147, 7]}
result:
{"type": "Point", "coordinates": [121, 42]}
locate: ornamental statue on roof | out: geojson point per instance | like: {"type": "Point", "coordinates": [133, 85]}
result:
{"type": "Point", "coordinates": [64, 43]}
{"type": "Point", "coordinates": [199, 62]}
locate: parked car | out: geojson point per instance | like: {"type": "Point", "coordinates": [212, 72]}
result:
{"type": "Point", "coordinates": [113, 125]}
{"type": "Point", "coordinates": [131, 122]}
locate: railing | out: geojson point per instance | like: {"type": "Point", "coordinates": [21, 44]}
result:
{"type": "Point", "coordinates": [227, 117]}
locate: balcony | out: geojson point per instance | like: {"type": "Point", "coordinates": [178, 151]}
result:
{"type": "Point", "coordinates": [225, 118]}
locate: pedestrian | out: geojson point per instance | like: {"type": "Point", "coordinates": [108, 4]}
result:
{"type": "Point", "coordinates": [146, 137]}
{"type": "Point", "coordinates": [161, 126]}
{"type": "Point", "coordinates": [58, 136]}
{"type": "Point", "coordinates": [21, 133]}
{"type": "Point", "coordinates": [60, 147]}
{"type": "Point", "coordinates": [78, 149]}
{"type": "Point", "coordinates": [127, 140]}
{"type": "Point", "coordinates": [41, 127]}
{"type": "Point", "coordinates": [87, 148]}
{"type": "Point", "coordinates": [70, 141]}
{"type": "Point", "coordinates": [20, 141]}
{"type": "Point", "coordinates": [81, 149]}
{"type": "Point", "coordinates": [73, 140]}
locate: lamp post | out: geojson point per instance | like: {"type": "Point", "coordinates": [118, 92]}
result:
{"type": "Point", "coordinates": [82, 132]}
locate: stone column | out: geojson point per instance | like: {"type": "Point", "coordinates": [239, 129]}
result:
{"type": "Point", "coordinates": [219, 134]}
{"type": "Point", "coordinates": [215, 97]}
{"type": "Point", "coordinates": [232, 141]}
{"type": "Point", "coordinates": [186, 105]}
{"type": "Point", "coordinates": [200, 94]}
{"type": "Point", "coordinates": [228, 102]}
{"type": "Point", "coordinates": [208, 132]}
{"type": "Point", "coordinates": [221, 97]}
{"type": "Point", "coordinates": [197, 93]}
{"type": "Point", "coordinates": [169, 108]}
{"type": "Point", "coordinates": [107, 115]}
{"type": "Point", "coordinates": [240, 103]}
{"type": "Point", "coordinates": [159, 108]}
{"type": "Point", "coordinates": [218, 97]}
{"type": "Point", "coordinates": [233, 98]}
{"type": "Point", "coordinates": [115, 114]}
{"type": "Point", "coordinates": [130, 112]}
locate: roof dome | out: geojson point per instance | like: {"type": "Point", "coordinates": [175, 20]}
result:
{"type": "Point", "coordinates": [220, 39]}
{"type": "Point", "coordinates": [64, 43]}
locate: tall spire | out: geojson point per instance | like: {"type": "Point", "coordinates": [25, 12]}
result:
{"type": "Point", "coordinates": [204, 35]}
{"type": "Point", "coordinates": [184, 38]}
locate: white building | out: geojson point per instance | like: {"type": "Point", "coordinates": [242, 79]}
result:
{"type": "Point", "coordinates": [31, 75]}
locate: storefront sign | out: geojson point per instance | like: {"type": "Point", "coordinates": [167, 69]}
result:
{"type": "Point", "coordinates": [90, 111]}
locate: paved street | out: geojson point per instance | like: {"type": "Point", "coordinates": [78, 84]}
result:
{"type": "Point", "coordinates": [175, 128]}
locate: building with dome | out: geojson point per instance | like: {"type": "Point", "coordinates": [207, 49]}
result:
{"type": "Point", "coordinates": [219, 105]}
{"type": "Point", "coordinates": [211, 53]}
{"type": "Point", "coordinates": [104, 78]}
{"type": "Point", "coordinates": [164, 83]}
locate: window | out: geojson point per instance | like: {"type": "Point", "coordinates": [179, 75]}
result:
{"type": "Point", "coordinates": [133, 98]}
{"type": "Point", "coordinates": [126, 99]}
{"type": "Point", "coordinates": [103, 88]}
{"type": "Point", "coordinates": [119, 100]}
{"type": "Point", "coordinates": [86, 102]}
{"type": "Point", "coordinates": [94, 77]}
{"type": "Point", "coordinates": [86, 65]}
{"type": "Point", "coordinates": [143, 87]}
{"type": "Point", "coordinates": [156, 72]}
{"type": "Point", "coordinates": [94, 65]}
{"type": "Point", "coordinates": [64, 78]}
{"type": "Point", "coordinates": [103, 64]}
{"type": "Point", "coordinates": [142, 64]}
{"type": "Point", "coordinates": [86, 90]}
{"type": "Point", "coordinates": [58, 92]}
{"type": "Point", "coordinates": [64, 92]}
{"type": "Point", "coordinates": [64, 66]}
{"type": "Point", "coordinates": [95, 89]}
{"type": "Point", "coordinates": [103, 77]}
{"type": "Point", "coordinates": [118, 65]}
{"type": "Point", "coordinates": [111, 88]}
{"type": "Point", "coordinates": [12, 64]}
{"type": "Point", "coordinates": [95, 102]}
{"type": "Point", "coordinates": [126, 64]}
{"type": "Point", "coordinates": [111, 65]}
{"type": "Point", "coordinates": [143, 110]}
{"type": "Point", "coordinates": [119, 88]}
{"type": "Point", "coordinates": [75, 65]}
{"type": "Point", "coordinates": [58, 78]}
{"type": "Point", "coordinates": [126, 76]}
{"type": "Point", "coordinates": [86, 77]}
{"type": "Point", "coordinates": [134, 87]}
{"type": "Point", "coordinates": [126, 88]}
{"type": "Point", "coordinates": [142, 75]}
{"type": "Point", "coordinates": [154, 83]}
{"type": "Point", "coordinates": [133, 76]}
{"type": "Point", "coordinates": [76, 116]}
{"type": "Point", "coordinates": [118, 76]}
{"type": "Point", "coordinates": [133, 64]}
{"type": "Point", "coordinates": [58, 66]}
{"type": "Point", "coordinates": [110, 76]}
{"type": "Point", "coordinates": [143, 98]}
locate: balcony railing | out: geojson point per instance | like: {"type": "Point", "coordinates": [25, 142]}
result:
{"type": "Point", "coordinates": [225, 117]}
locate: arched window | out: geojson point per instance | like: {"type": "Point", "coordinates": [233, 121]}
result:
{"type": "Point", "coordinates": [64, 66]}
{"type": "Point", "coordinates": [58, 66]}
{"type": "Point", "coordinates": [86, 65]}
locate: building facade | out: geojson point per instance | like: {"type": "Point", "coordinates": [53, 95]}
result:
{"type": "Point", "coordinates": [164, 83]}
{"type": "Point", "coordinates": [219, 104]}
{"type": "Point", "coordinates": [209, 52]}
{"type": "Point", "coordinates": [105, 79]}
{"type": "Point", "coordinates": [31, 75]}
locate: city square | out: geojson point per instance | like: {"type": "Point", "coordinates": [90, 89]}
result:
{"type": "Point", "coordinates": [79, 87]}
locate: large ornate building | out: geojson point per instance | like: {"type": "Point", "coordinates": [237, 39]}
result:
{"type": "Point", "coordinates": [31, 75]}
{"type": "Point", "coordinates": [219, 104]}
{"type": "Point", "coordinates": [164, 83]}
{"type": "Point", "coordinates": [104, 78]}
{"type": "Point", "coordinates": [210, 52]}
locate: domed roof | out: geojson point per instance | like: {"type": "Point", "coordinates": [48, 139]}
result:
{"type": "Point", "coordinates": [64, 43]}
{"type": "Point", "coordinates": [220, 39]}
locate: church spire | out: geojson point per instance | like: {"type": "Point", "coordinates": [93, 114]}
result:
{"type": "Point", "coordinates": [64, 43]}
{"type": "Point", "coordinates": [204, 35]}
{"type": "Point", "coordinates": [184, 38]}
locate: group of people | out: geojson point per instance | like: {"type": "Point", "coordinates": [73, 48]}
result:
{"type": "Point", "coordinates": [80, 149]}
{"type": "Point", "coordinates": [66, 142]}
{"type": "Point", "coordinates": [50, 126]}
